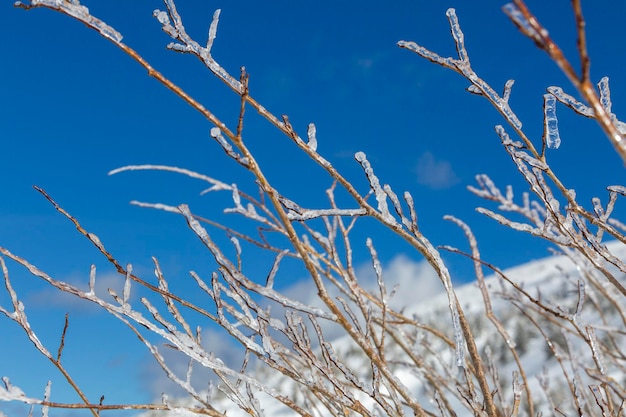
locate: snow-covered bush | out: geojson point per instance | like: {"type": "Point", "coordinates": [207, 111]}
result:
{"type": "Point", "coordinates": [381, 359]}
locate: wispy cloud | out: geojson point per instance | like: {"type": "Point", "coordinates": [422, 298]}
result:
{"type": "Point", "coordinates": [434, 173]}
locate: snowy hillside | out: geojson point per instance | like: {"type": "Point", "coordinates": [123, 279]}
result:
{"type": "Point", "coordinates": [553, 281]}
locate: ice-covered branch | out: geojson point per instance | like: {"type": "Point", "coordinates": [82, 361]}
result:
{"type": "Point", "coordinates": [379, 193]}
{"type": "Point", "coordinates": [77, 11]}
{"type": "Point", "coordinates": [463, 67]}
{"type": "Point", "coordinates": [529, 25]}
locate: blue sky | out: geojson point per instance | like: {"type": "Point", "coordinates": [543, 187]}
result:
{"type": "Point", "coordinates": [75, 107]}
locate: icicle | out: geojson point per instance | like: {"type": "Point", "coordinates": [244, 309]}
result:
{"type": "Point", "coordinates": [236, 244]}
{"type": "Point", "coordinates": [551, 126]}
{"type": "Point", "coordinates": [507, 90]}
{"type": "Point", "coordinates": [311, 132]}
{"type": "Point", "coordinates": [46, 397]}
{"type": "Point", "coordinates": [237, 198]}
{"type": "Point", "coordinates": [213, 30]}
{"type": "Point", "coordinates": [581, 300]}
{"type": "Point", "coordinates": [605, 94]}
{"type": "Point", "coordinates": [92, 280]}
{"type": "Point", "coordinates": [126, 290]}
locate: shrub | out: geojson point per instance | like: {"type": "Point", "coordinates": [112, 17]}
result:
{"type": "Point", "coordinates": [387, 361]}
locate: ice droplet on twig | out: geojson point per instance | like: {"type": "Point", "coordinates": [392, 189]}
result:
{"type": "Point", "coordinates": [550, 122]}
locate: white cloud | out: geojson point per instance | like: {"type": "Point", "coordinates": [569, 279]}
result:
{"type": "Point", "coordinates": [416, 282]}
{"type": "Point", "coordinates": [433, 173]}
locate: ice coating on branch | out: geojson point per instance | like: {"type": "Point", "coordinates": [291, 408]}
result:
{"type": "Point", "coordinates": [236, 197]}
{"type": "Point", "coordinates": [484, 89]}
{"type": "Point", "coordinates": [507, 90]}
{"type": "Point", "coordinates": [304, 215]}
{"type": "Point", "coordinates": [457, 34]}
{"type": "Point", "coordinates": [381, 196]}
{"type": "Point", "coordinates": [595, 349]}
{"type": "Point", "coordinates": [474, 90]}
{"type": "Point", "coordinates": [216, 133]}
{"type": "Point", "coordinates": [523, 24]}
{"type": "Point", "coordinates": [550, 122]}
{"type": "Point", "coordinates": [597, 207]}
{"type": "Point", "coordinates": [506, 139]}
{"type": "Point", "coordinates": [620, 189]}
{"type": "Point", "coordinates": [570, 102]}
{"type": "Point", "coordinates": [161, 16]}
{"type": "Point", "coordinates": [79, 12]}
{"type": "Point", "coordinates": [9, 392]}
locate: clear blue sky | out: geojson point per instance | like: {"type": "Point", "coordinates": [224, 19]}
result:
{"type": "Point", "coordinates": [73, 107]}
